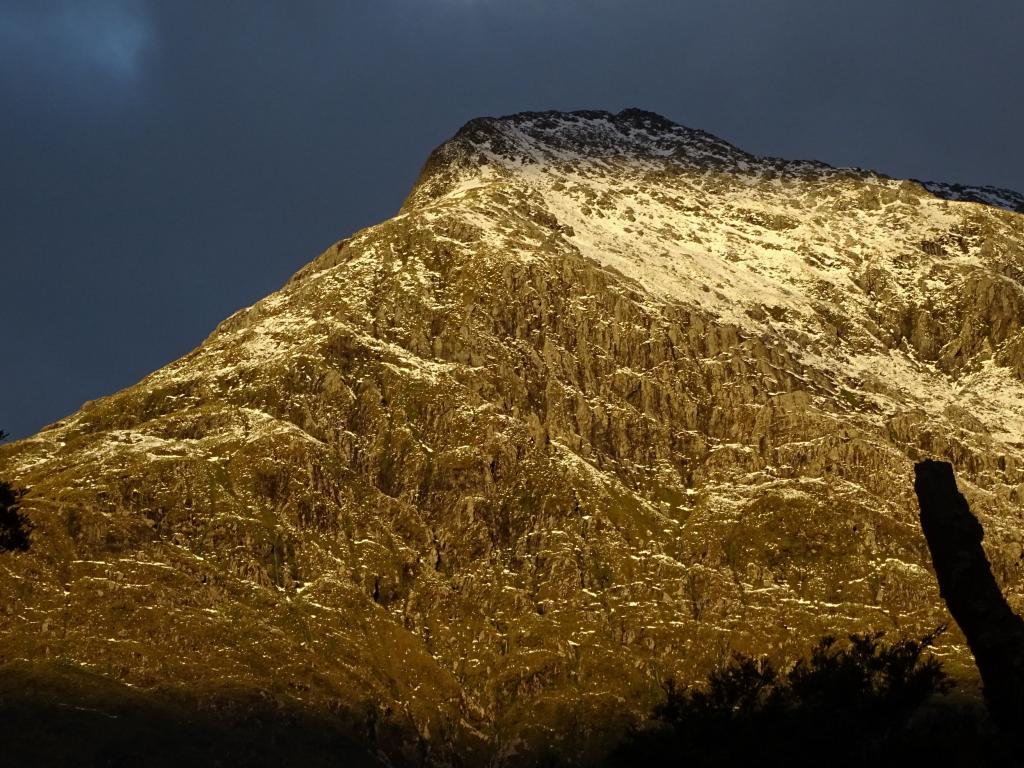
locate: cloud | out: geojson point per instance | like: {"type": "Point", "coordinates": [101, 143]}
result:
{"type": "Point", "coordinates": [72, 40]}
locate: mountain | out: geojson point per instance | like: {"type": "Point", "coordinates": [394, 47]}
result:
{"type": "Point", "coordinates": [607, 399]}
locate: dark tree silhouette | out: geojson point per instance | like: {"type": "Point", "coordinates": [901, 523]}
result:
{"type": "Point", "coordinates": [847, 703]}
{"type": "Point", "coordinates": [14, 525]}
{"type": "Point", "coordinates": [994, 632]}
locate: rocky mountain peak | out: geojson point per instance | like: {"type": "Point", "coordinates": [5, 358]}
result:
{"type": "Point", "coordinates": [582, 138]}
{"type": "Point", "coordinates": [632, 134]}
{"type": "Point", "coordinates": [606, 399]}
{"type": "Point", "coordinates": [587, 137]}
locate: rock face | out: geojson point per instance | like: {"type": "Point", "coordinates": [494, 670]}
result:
{"type": "Point", "coordinates": [607, 399]}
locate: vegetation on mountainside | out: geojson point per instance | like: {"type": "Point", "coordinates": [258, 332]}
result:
{"type": "Point", "coordinates": [862, 701]}
{"type": "Point", "coordinates": [14, 524]}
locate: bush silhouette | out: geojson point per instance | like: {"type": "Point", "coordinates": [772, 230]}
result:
{"type": "Point", "coordinates": [847, 703]}
{"type": "Point", "coordinates": [14, 525]}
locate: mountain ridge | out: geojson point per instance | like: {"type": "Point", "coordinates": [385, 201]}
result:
{"type": "Point", "coordinates": [634, 118]}
{"type": "Point", "coordinates": [495, 468]}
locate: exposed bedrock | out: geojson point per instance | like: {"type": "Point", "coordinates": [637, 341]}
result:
{"type": "Point", "coordinates": [605, 401]}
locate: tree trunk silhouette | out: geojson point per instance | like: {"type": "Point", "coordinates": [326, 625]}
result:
{"type": "Point", "coordinates": [994, 632]}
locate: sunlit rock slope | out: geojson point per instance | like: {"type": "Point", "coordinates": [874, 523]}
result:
{"type": "Point", "coordinates": [607, 399]}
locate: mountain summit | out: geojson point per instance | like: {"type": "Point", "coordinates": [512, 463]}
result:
{"type": "Point", "coordinates": [607, 399]}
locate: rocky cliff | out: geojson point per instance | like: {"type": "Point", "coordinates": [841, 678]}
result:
{"type": "Point", "coordinates": [607, 399]}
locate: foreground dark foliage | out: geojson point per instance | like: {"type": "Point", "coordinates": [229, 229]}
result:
{"type": "Point", "coordinates": [858, 702]}
{"type": "Point", "coordinates": [14, 525]}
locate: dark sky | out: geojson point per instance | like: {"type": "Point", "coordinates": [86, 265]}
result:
{"type": "Point", "coordinates": [164, 163]}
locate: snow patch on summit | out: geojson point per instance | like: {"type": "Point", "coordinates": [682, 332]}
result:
{"type": "Point", "coordinates": [791, 250]}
